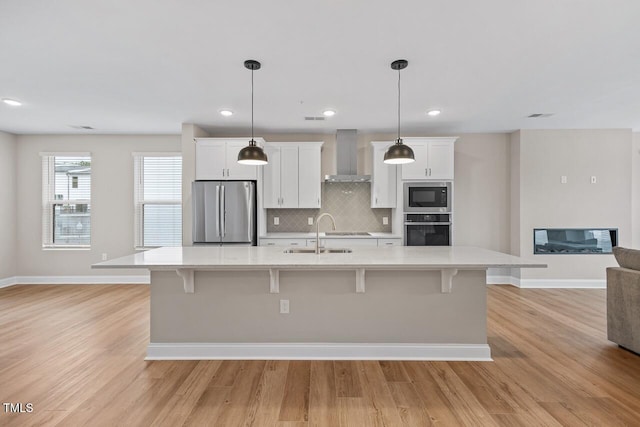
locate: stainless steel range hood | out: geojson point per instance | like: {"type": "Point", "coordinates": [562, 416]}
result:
{"type": "Point", "coordinates": [347, 158]}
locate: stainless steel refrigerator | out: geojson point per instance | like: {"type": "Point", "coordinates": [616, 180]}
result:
{"type": "Point", "coordinates": [224, 212]}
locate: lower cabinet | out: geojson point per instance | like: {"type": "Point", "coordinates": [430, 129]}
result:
{"type": "Point", "coordinates": [389, 242]}
{"type": "Point", "coordinates": [283, 242]}
{"type": "Point", "coordinates": [328, 242]}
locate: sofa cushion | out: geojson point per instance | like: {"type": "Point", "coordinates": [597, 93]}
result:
{"type": "Point", "coordinates": [627, 258]}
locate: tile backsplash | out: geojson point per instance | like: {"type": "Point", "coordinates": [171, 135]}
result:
{"type": "Point", "coordinates": [348, 202]}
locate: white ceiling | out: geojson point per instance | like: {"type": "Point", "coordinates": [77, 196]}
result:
{"type": "Point", "coordinates": [146, 66]}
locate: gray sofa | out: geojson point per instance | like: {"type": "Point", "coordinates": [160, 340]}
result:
{"type": "Point", "coordinates": [623, 299]}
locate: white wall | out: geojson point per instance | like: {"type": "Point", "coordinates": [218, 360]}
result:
{"type": "Point", "coordinates": [546, 155]}
{"type": "Point", "coordinates": [8, 232]}
{"type": "Point", "coordinates": [112, 213]}
{"type": "Point", "coordinates": [482, 191]}
{"type": "Point", "coordinates": [635, 191]}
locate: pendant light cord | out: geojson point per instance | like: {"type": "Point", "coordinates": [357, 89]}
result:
{"type": "Point", "coordinates": [398, 106]}
{"type": "Point", "coordinates": [252, 142]}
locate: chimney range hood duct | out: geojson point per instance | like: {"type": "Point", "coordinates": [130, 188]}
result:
{"type": "Point", "coordinates": [347, 158]}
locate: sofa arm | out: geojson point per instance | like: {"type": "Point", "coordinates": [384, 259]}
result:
{"type": "Point", "coordinates": [623, 307]}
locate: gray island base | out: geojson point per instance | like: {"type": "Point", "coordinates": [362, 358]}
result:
{"type": "Point", "coordinates": [396, 303]}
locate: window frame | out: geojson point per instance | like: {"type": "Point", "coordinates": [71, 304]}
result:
{"type": "Point", "coordinates": [138, 197]}
{"type": "Point", "coordinates": [49, 201]}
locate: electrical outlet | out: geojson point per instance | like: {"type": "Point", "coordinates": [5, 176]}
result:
{"type": "Point", "coordinates": [284, 306]}
{"type": "Point", "coordinates": [563, 179]}
{"type": "Point", "coordinates": [104, 257]}
{"type": "Point", "coordinates": [385, 220]}
{"type": "Point", "coordinates": [594, 180]}
{"type": "Point", "coordinates": [310, 220]}
{"type": "Point", "coordinates": [276, 220]}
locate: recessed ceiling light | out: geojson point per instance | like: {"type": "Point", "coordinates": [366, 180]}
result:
{"type": "Point", "coordinates": [226, 113]}
{"type": "Point", "coordinates": [329, 113]}
{"type": "Point", "coordinates": [434, 113]}
{"type": "Point", "coordinates": [11, 102]}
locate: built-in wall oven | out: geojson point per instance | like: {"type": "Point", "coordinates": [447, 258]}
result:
{"type": "Point", "coordinates": [427, 197]}
{"type": "Point", "coordinates": [427, 229]}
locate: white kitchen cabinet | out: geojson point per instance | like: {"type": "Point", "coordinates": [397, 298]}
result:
{"type": "Point", "coordinates": [217, 159]}
{"type": "Point", "coordinates": [434, 159]}
{"type": "Point", "coordinates": [389, 242]}
{"type": "Point", "coordinates": [292, 177]}
{"type": "Point", "coordinates": [283, 242]}
{"type": "Point", "coordinates": [310, 175]}
{"type": "Point", "coordinates": [280, 177]}
{"type": "Point", "coordinates": [328, 242]}
{"type": "Point", "coordinates": [384, 178]}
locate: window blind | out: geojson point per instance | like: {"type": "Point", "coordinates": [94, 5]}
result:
{"type": "Point", "coordinates": [158, 200]}
{"type": "Point", "coordinates": [66, 199]}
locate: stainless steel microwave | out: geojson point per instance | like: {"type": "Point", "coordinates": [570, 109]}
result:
{"type": "Point", "coordinates": [427, 197]}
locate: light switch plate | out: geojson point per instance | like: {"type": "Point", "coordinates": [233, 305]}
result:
{"type": "Point", "coordinates": [563, 179]}
{"type": "Point", "coordinates": [104, 256]}
{"type": "Point", "coordinates": [310, 220]}
{"type": "Point", "coordinates": [385, 220]}
{"type": "Point", "coordinates": [594, 180]}
{"type": "Point", "coordinates": [276, 220]}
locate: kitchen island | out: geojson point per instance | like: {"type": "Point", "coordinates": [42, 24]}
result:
{"type": "Point", "coordinates": [397, 303]}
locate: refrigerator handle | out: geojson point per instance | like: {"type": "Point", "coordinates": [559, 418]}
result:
{"type": "Point", "coordinates": [218, 206]}
{"type": "Point", "coordinates": [223, 213]}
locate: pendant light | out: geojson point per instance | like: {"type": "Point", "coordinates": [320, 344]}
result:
{"type": "Point", "coordinates": [252, 154]}
{"type": "Point", "coordinates": [399, 153]}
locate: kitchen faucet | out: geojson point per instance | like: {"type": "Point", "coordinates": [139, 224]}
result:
{"type": "Point", "coordinates": [333, 221]}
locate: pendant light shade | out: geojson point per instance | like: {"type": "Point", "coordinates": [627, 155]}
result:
{"type": "Point", "coordinates": [399, 153]}
{"type": "Point", "coordinates": [252, 154]}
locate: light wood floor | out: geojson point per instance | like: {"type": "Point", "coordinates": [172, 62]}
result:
{"type": "Point", "coordinates": [76, 353]}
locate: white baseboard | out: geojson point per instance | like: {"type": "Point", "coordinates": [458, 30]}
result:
{"type": "Point", "coordinates": [563, 283]}
{"type": "Point", "coordinates": [503, 280]}
{"type": "Point", "coordinates": [547, 283]}
{"type": "Point", "coordinates": [317, 351]}
{"type": "Point", "coordinates": [9, 281]}
{"type": "Point", "coordinates": [74, 280]}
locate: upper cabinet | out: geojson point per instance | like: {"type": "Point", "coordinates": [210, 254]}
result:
{"type": "Point", "coordinates": [217, 159]}
{"type": "Point", "coordinates": [280, 177]}
{"type": "Point", "coordinates": [292, 177]}
{"type": "Point", "coordinates": [310, 175]}
{"type": "Point", "coordinates": [434, 159]}
{"type": "Point", "coordinates": [383, 179]}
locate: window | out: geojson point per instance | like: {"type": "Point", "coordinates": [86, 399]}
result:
{"type": "Point", "coordinates": [66, 200]}
{"type": "Point", "coordinates": [158, 199]}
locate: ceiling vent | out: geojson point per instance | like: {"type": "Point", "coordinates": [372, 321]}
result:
{"type": "Point", "coordinates": [310, 118]}
{"type": "Point", "coordinates": [82, 127]}
{"type": "Point", "coordinates": [539, 115]}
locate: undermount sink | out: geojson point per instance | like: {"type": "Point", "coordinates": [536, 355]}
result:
{"type": "Point", "coordinates": [322, 251]}
{"type": "Point", "coordinates": [347, 233]}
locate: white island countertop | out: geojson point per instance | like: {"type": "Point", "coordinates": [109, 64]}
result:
{"type": "Point", "coordinates": [253, 257]}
